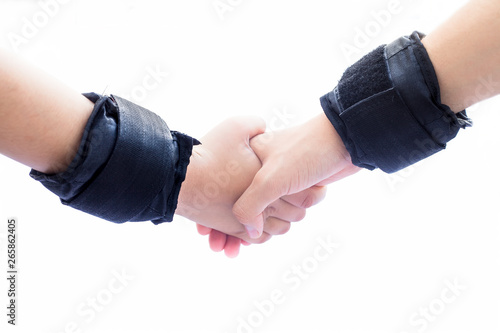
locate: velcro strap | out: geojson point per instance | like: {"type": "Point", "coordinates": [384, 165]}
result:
{"type": "Point", "coordinates": [387, 108]}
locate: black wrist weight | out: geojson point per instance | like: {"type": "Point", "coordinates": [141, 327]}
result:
{"type": "Point", "coordinates": [387, 107]}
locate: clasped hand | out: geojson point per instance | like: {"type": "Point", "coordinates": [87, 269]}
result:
{"type": "Point", "coordinates": [244, 185]}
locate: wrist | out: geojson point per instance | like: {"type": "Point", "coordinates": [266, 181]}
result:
{"type": "Point", "coordinates": [333, 137]}
{"type": "Point", "coordinates": [387, 109]}
{"type": "Point", "coordinates": [186, 201]}
{"type": "Point", "coordinates": [64, 151]}
{"type": "Point", "coordinates": [329, 139]}
{"type": "Point", "coordinates": [128, 161]}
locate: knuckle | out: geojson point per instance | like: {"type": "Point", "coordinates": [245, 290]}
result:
{"type": "Point", "coordinates": [308, 201]}
{"type": "Point", "coordinates": [262, 239]}
{"type": "Point", "coordinates": [313, 196]}
{"type": "Point", "coordinates": [284, 228]}
{"type": "Point", "coordinates": [275, 226]}
{"type": "Point", "coordinates": [300, 215]}
{"type": "Point", "coordinates": [271, 211]}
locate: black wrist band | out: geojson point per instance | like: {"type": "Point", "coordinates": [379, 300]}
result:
{"type": "Point", "coordinates": [387, 108]}
{"type": "Point", "coordinates": [129, 166]}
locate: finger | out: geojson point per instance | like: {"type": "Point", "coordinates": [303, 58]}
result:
{"type": "Point", "coordinates": [243, 242]}
{"type": "Point", "coordinates": [262, 239]}
{"type": "Point", "coordinates": [217, 240]}
{"type": "Point", "coordinates": [346, 172]}
{"type": "Point", "coordinates": [284, 211]}
{"type": "Point", "coordinates": [306, 198]}
{"type": "Point", "coordinates": [232, 247]}
{"type": "Point", "coordinates": [275, 226]}
{"type": "Point", "coordinates": [261, 193]}
{"type": "Point", "coordinates": [202, 230]}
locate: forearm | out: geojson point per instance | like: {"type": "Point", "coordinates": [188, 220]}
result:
{"type": "Point", "coordinates": [465, 52]}
{"type": "Point", "coordinates": [103, 155]}
{"type": "Point", "coordinates": [41, 119]}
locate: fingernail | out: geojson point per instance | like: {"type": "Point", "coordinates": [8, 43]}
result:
{"type": "Point", "coordinates": [252, 232]}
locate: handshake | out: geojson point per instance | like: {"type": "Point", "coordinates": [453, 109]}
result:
{"type": "Point", "coordinates": [244, 185]}
{"type": "Point", "coordinates": [118, 161]}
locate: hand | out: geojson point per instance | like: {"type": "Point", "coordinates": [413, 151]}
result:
{"type": "Point", "coordinates": [293, 159]}
{"type": "Point", "coordinates": [219, 171]}
{"type": "Point", "coordinates": [219, 241]}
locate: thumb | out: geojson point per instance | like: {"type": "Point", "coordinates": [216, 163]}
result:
{"type": "Point", "coordinates": [250, 206]}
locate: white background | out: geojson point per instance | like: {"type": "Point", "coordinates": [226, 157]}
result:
{"type": "Point", "coordinates": [400, 238]}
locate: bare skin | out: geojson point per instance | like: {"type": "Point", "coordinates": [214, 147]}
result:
{"type": "Point", "coordinates": [220, 170]}
{"type": "Point", "coordinates": [465, 51]}
{"type": "Point", "coordinates": [42, 123]}
{"type": "Point", "coordinates": [41, 119]}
